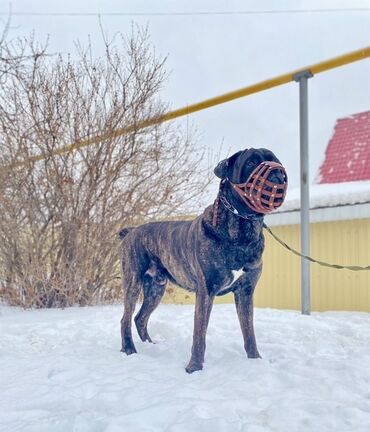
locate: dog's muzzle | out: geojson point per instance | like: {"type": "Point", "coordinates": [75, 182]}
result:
{"type": "Point", "coordinates": [265, 189]}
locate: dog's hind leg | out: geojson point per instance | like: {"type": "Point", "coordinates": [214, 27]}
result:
{"type": "Point", "coordinates": [132, 290]}
{"type": "Point", "coordinates": [154, 287]}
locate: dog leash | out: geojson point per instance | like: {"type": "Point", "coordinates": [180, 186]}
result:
{"type": "Point", "coordinates": [322, 263]}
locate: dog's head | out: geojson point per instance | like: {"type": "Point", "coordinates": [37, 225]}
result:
{"type": "Point", "coordinates": [255, 181]}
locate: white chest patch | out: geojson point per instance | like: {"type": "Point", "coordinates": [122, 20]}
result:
{"type": "Point", "coordinates": [236, 275]}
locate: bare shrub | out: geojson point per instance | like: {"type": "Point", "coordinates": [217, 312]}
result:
{"type": "Point", "coordinates": [60, 216]}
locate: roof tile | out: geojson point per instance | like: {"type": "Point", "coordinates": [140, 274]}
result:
{"type": "Point", "coordinates": [347, 156]}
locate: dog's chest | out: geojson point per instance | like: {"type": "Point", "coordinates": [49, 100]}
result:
{"type": "Point", "coordinates": [236, 274]}
{"type": "Point", "coordinates": [229, 265]}
{"type": "Point", "coordinates": [235, 258]}
{"type": "Point", "coordinates": [223, 280]}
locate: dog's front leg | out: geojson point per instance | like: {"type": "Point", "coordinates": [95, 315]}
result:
{"type": "Point", "coordinates": [244, 307]}
{"type": "Point", "coordinates": [203, 307]}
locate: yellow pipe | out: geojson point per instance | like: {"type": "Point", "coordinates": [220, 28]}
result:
{"type": "Point", "coordinates": [227, 97]}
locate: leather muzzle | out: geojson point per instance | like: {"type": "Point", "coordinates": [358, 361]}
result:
{"type": "Point", "coordinates": [259, 193]}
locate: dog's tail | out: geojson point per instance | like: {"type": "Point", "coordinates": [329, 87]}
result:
{"type": "Point", "coordinates": [123, 232]}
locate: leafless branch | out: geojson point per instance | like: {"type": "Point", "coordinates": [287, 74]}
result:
{"type": "Point", "coordinates": [60, 216]}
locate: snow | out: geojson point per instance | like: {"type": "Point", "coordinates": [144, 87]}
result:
{"type": "Point", "coordinates": [329, 195]}
{"type": "Point", "coordinates": [61, 370]}
{"type": "Point", "coordinates": [328, 202]}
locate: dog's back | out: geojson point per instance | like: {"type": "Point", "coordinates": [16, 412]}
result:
{"type": "Point", "coordinates": [167, 244]}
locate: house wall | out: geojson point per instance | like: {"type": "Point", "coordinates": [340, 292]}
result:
{"type": "Point", "coordinates": [339, 242]}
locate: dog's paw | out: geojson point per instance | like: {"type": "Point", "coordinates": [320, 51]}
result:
{"type": "Point", "coordinates": [254, 355]}
{"type": "Point", "coordinates": [129, 350]}
{"type": "Point", "coordinates": [193, 367]}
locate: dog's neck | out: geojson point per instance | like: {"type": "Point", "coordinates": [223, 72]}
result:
{"type": "Point", "coordinates": [224, 197]}
{"type": "Point", "coordinates": [226, 220]}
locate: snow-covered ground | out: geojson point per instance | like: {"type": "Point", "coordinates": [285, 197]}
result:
{"type": "Point", "coordinates": [61, 370]}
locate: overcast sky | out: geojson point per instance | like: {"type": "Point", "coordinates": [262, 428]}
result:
{"type": "Point", "coordinates": [213, 54]}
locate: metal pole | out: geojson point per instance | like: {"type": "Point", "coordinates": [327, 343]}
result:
{"type": "Point", "coordinates": [302, 78]}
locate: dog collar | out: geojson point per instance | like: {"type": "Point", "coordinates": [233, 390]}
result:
{"type": "Point", "coordinates": [231, 208]}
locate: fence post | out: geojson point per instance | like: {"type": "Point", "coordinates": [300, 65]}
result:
{"type": "Point", "coordinates": [302, 78]}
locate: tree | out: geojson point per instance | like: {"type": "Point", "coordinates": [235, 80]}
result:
{"type": "Point", "coordinates": [60, 216]}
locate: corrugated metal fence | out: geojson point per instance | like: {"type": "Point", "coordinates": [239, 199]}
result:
{"type": "Point", "coordinates": [341, 242]}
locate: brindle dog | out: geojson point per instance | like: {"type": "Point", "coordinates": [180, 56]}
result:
{"type": "Point", "coordinates": [218, 252]}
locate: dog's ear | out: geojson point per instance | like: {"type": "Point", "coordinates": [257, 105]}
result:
{"type": "Point", "coordinates": [221, 169]}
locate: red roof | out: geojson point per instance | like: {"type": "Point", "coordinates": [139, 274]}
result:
{"type": "Point", "coordinates": [347, 156]}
